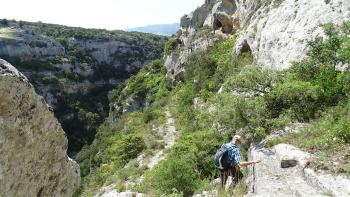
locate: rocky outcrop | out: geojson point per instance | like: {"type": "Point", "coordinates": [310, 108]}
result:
{"type": "Point", "coordinates": [27, 45]}
{"type": "Point", "coordinates": [32, 143]}
{"type": "Point", "coordinates": [272, 176]}
{"type": "Point", "coordinates": [215, 20]}
{"type": "Point", "coordinates": [221, 16]}
{"type": "Point", "coordinates": [285, 171]}
{"type": "Point", "coordinates": [277, 33]}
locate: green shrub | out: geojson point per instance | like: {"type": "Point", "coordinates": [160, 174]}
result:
{"type": "Point", "coordinates": [50, 80]}
{"type": "Point", "coordinates": [188, 163]}
{"type": "Point", "coordinates": [251, 79]}
{"type": "Point", "coordinates": [305, 70]}
{"type": "Point", "coordinates": [200, 67]}
{"type": "Point", "coordinates": [301, 98]}
{"type": "Point", "coordinates": [4, 22]}
{"type": "Point", "coordinates": [171, 45]}
{"type": "Point", "coordinates": [179, 173]}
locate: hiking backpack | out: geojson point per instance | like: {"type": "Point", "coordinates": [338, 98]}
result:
{"type": "Point", "coordinates": [221, 158]}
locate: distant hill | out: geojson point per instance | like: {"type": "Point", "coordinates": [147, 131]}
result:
{"type": "Point", "coordinates": [160, 29]}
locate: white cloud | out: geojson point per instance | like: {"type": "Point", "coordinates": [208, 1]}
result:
{"type": "Point", "coordinates": [108, 14]}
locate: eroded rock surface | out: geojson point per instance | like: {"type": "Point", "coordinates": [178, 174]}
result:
{"type": "Point", "coordinates": [210, 23]}
{"type": "Point", "coordinates": [278, 33]}
{"type": "Point", "coordinates": [32, 143]}
{"type": "Point", "coordinates": [268, 178]}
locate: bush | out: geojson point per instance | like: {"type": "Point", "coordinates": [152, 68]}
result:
{"type": "Point", "coordinates": [171, 45]}
{"type": "Point", "coordinates": [4, 22]}
{"type": "Point", "coordinates": [50, 80]}
{"type": "Point", "coordinates": [301, 98]}
{"type": "Point", "coordinates": [251, 79]}
{"type": "Point", "coordinates": [189, 162]}
{"type": "Point", "coordinates": [200, 67]}
{"type": "Point", "coordinates": [179, 173]}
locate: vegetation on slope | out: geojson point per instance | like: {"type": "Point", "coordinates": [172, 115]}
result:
{"type": "Point", "coordinates": [220, 94]}
{"type": "Point", "coordinates": [80, 112]}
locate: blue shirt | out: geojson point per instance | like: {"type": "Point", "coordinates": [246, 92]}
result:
{"type": "Point", "coordinates": [234, 156]}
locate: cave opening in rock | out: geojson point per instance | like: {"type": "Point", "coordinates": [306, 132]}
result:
{"type": "Point", "coordinates": [217, 24]}
{"type": "Point", "coordinates": [245, 48]}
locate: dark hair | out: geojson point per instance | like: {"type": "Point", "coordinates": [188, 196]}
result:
{"type": "Point", "coordinates": [230, 136]}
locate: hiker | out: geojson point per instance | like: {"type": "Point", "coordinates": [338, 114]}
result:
{"type": "Point", "coordinates": [228, 161]}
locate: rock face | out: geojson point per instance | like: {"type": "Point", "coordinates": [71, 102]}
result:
{"type": "Point", "coordinates": [215, 20]}
{"type": "Point", "coordinates": [32, 143]}
{"type": "Point", "coordinates": [275, 32]}
{"type": "Point", "coordinates": [278, 33]}
{"type": "Point", "coordinates": [284, 171]}
{"type": "Point", "coordinates": [268, 178]}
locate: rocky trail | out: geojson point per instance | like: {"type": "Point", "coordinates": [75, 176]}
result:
{"type": "Point", "coordinates": [169, 137]}
{"type": "Point", "coordinates": [284, 171]}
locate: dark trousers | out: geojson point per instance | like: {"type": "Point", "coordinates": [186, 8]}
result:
{"type": "Point", "coordinates": [234, 172]}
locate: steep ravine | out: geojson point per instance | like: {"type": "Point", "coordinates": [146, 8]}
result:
{"type": "Point", "coordinates": [215, 81]}
{"type": "Point", "coordinates": [75, 68]}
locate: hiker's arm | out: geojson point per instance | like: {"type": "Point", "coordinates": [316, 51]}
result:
{"type": "Point", "coordinates": [247, 163]}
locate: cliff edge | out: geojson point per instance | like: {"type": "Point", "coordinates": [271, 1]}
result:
{"type": "Point", "coordinates": [32, 143]}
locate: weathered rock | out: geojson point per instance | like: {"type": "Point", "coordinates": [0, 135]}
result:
{"type": "Point", "coordinates": [223, 6]}
{"type": "Point", "coordinates": [223, 21]}
{"type": "Point", "coordinates": [32, 143]}
{"type": "Point", "coordinates": [246, 9]}
{"type": "Point", "coordinates": [29, 46]}
{"type": "Point", "coordinates": [195, 34]}
{"type": "Point", "coordinates": [337, 186]}
{"type": "Point", "coordinates": [268, 178]}
{"type": "Point", "coordinates": [278, 34]}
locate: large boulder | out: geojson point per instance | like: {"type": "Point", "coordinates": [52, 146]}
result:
{"type": "Point", "coordinates": [278, 33]}
{"type": "Point", "coordinates": [32, 143]}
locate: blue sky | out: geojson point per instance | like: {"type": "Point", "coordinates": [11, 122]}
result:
{"type": "Point", "coordinates": [107, 14]}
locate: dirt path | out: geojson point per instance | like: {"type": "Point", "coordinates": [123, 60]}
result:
{"type": "Point", "coordinates": [169, 139]}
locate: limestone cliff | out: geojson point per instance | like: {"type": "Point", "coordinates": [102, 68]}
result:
{"type": "Point", "coordinates": [276, 32]}
{"type": "Point", "coordinates": [32, 143]}
{"type": "Point", "coordinates": [215, 20]}
{"type": "Point", "coordinates": [74, 68]}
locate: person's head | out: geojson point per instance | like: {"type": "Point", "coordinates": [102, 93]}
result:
{"type": "Point", "coordinates": [236, 139]}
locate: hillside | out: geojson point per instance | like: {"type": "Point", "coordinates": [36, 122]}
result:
{"type": "Point", "coordinates": [74, 68]}
{"type": "Point", "coordinates": [145, 114]}
{"type": "Point", "coordinates": [266, 67]}
{"type": "Point", "coordinates": [161, 29]}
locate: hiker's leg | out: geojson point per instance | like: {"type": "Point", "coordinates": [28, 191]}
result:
{"type": "Point", "coordinates": [237, 174]}
{"type": "Point", "coordinates": [223, 178]}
